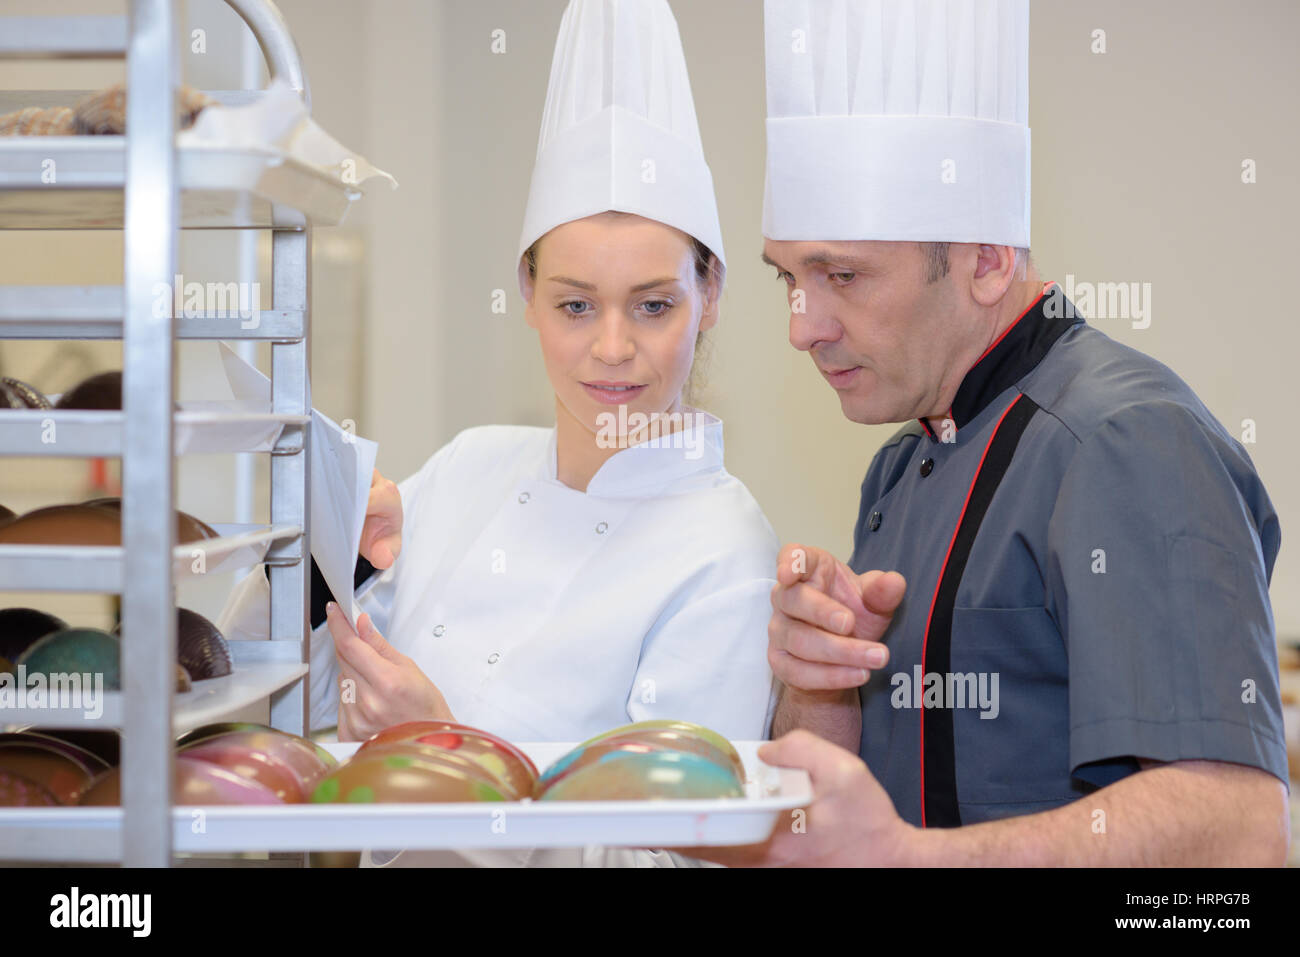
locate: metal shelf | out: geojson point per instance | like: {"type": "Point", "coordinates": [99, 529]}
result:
{"type": "Point", "coordinates": [102, 568]}
{"type": "Point", "coordinates": [95, 312]}
{"type": "Point", "coordinates": [206, 702]}
{"type": "Point", "coordinates": [77, 433]}
{"type": "Point", "coordinates": [254, 188]}
{"type": "Point", "coordinates": [63, 37]}
{"type": "Point", "coordinates": [149, 187]}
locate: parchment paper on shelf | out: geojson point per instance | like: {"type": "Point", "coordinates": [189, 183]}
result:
{"type": "Point", "coordinates": [342, 464]}
{"type": "Point", "coordinates": [279, 119]}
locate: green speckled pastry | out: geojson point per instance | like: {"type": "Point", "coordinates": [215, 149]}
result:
{"type": "Point", "coordinates": [645, 776]}
{"type": "Point", "coordinates": [76, 651]}
{"type": "Point", "coordinates": [392, 774]}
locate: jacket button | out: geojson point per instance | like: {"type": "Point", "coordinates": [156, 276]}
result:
{"type": "Point", "coordinates": [601, 528]}
{"type": "Point", "coordinates": [874, 521]}
{"type": "Point", "coordinates": [927, 466]}
{"type": "Point", "coordinates": [438, 630]}
{"type": "Point", "coordinates": [523, 498]}
{"type": "Point", "coordinates": [493, 658]}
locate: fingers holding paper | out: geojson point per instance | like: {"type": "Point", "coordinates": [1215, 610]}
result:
{"type": "Point", "coordinates": [378, 685]}
{"type": "Point", "coordinates": [381, 536]}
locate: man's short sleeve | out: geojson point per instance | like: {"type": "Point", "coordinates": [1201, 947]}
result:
{"type": "Point", "coordinates": [1160, 548]}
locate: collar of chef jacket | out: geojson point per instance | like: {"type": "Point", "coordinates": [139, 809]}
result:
{"type": "Point", "coordinates": [650, 466]}
{"type": "Point", "coordinates": [1012, 355]}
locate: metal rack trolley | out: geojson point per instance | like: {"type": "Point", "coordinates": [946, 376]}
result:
{"type": "Point", "coordinates": [147, 185]}
{"type": "Point", "coordinates": [143, 184]}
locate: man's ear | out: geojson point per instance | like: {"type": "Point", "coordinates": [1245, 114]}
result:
{"type": "Point", "coordinates": [995, 270]}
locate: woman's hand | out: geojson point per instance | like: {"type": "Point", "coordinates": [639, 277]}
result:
{"type": "Point", "coordinates": [378, 685]}
{"type": "Point", "coordinates": [381, 536]}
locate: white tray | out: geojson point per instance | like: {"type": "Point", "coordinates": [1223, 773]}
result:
{"type": "Point", "coordinates": [51, 833]}
{"type": "Point", "coordinates": [221, 187]}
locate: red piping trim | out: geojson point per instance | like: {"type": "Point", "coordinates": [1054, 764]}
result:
{"type": "Point", "coordinates": [1042, 292]}
{"type": "Point", "coordinates": [925, 638]}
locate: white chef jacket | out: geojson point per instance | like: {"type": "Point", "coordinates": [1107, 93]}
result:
{"type": "Point", "coordinates": [543, 613]}
{"type": "Point", "coordinates": [547, 614]}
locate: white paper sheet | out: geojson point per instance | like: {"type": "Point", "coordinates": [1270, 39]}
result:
{"type": "Point", "coordinates": [279, 119]}
{"type": "Point", "coordinates": [342, 465]}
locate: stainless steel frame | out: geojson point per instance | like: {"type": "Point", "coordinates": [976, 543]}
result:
{"type": "Point", "coordinates": [143, 568]}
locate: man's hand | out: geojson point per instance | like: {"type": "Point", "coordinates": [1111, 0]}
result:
{"type": "Point", "coordinates": [381, 536]}
{"type": "Point", "coordinates": [378, 685]}
{"type": "Point", "coordinates": [850, 823]}
{"type": "Point", "coordinates": [827, 621]}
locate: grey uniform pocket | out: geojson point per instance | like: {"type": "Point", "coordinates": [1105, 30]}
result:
{"type": "Point", "coordinates": [1012, 745]}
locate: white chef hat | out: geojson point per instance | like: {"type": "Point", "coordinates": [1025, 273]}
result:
{"type": "Point", "coordinates": [902, 120]}
{"type": "Point", "coordinates": [619, 129]}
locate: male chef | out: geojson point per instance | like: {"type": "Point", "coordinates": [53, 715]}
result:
{"type": "Point", "coordinates": [1053, 642]}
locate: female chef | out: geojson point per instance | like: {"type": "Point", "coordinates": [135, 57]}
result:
{"type": "Point", "coordinates": [550, 584]}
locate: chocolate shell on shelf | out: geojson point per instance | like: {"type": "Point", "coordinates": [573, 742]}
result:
{"type": "Point", "coordinates": [6, 514]}
{"type": "Point", "coordinates": [200, 647]}
{"type": "Point", "coordinates": [183, 682]}
{"type": "Point", "coordinates": [99, 747]}
{"type": "Point", "coordinates": [235, 753]}
{"type": "Point", "coordinates": [76, 651]}
{"type": "Point", "coordinates": [20, 628]}
{"type": "Point", "coordinates": [305, 754]}
{"type": "Point", "coordinates": [98, 522]}
{"type": "Point", "coordinates": [57, 741]}
{"type": "Point", "coordinates": [101, 391]}
{"type": "Point", "coordinates": [188, 528]}
{"type": "Point", "coordinates": [63, 525]}
{"type": "Point", "coordinates": [19, 791]}
{"type": "Point", "coordinates": [49, 766]}
{"type": "Point", "coordinates": [16, 394]}
{"type": "Point", "coordinates": [195, 783]}
{"type": "Point", "coordinates": [219, 727]}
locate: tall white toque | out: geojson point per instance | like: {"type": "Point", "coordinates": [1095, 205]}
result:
{"type": "Point", "coordinates": [898, 120]}
{"type": "Point", "coordinates": [619, 130]}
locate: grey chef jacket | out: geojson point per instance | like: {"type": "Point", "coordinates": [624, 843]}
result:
{"type": "Point", "coordinates": [1089, 537]}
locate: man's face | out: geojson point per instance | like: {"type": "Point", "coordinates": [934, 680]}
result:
{"type": "Point", "coordinates": [883, 337]}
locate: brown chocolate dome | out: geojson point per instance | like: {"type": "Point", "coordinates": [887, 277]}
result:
{"type": "Point", "coordinates": [16, 394]}
{"type": "Point", "coordinates": [97, 522]}
{"type": "Point", "coordinates": [102, 391]}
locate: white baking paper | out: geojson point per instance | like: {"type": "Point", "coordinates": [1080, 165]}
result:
{"type": "Point", "coordinates": [279, 119]}
{"type": "Point", "coordinates": [342, 465]}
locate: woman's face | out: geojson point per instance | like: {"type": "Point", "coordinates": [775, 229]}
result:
{"type": "Point", "coordinates": [617, 308]}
